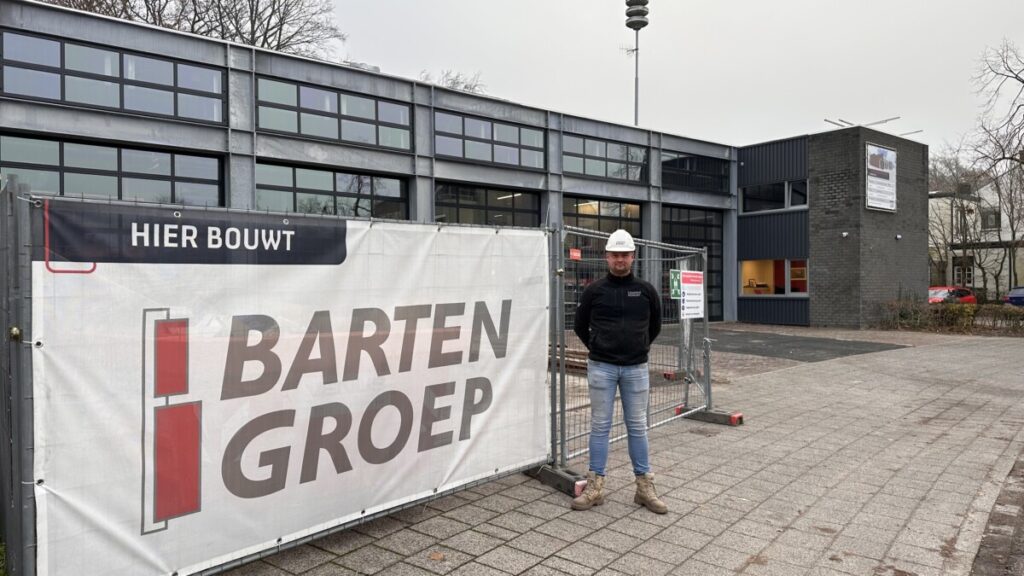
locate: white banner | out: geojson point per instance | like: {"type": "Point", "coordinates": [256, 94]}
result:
{"type": "Point", "coordinates": [191, 413]}
{"type": "Point", "coordinates": [881, 178]}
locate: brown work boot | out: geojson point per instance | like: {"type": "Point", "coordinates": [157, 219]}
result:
{"type": "Point", "coordinates": [593, 494]}
{"type": "Point", "coordinates": [647, 496]}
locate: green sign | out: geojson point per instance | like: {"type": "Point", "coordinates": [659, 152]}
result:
{"type": "Point", "coordinates": [674, 285]}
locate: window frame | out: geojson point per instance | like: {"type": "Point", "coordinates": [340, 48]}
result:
{"type": "Point", "coordinates": [963, 270]}
{"type": "Point", "coordinates": [120, 80]}
{"type": "Point", "coordinates": [990, 213]}
{"type": "Point", "coordinates": [787, 197]}
{"type": "Point", "coordinates": [725, 177]}
{"type": "Point", "coordinates": [294, 190]}
{"type": "Point", "coordinates": [492, 141]}
{"type": "Point", "coordinates": [119, 173]}
{"type": "Point", "coordinates": [486, 206]}
{"type": "Point", "coordinates": [620, 219]}
{"type": "Point", "coordinates": [788, 279]}
{"type": "Point", "coordinates": [645, 166]}
{"type": "Point", "coordinates": [337, 116]}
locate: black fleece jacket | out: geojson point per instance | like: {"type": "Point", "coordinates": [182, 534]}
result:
{"type": "Point", "coordinates": [618, 318]}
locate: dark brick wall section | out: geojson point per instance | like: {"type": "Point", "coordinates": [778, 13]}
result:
{"type": "Point", "coordinates": [851, 277]}
{"type": "Point", "coordinates": [902, 269]}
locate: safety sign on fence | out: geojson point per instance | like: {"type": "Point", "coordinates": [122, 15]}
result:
{"type": "Point", "coordinates": [209, 384]}
{"type": "Point", "coordinates": [688, 288]}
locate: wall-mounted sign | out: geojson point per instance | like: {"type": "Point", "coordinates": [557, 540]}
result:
{"type": "Point", "coordinates": [881, 178]}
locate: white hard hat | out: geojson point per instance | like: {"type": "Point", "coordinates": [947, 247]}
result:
{"type": "Point", "coordinates": [620, 241]}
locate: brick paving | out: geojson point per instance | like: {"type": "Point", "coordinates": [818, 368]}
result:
{"type": "Point", "coordinates": [877, 464]}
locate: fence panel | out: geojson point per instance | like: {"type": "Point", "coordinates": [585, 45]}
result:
{"type": "Point", "coordinates": [679, 382]}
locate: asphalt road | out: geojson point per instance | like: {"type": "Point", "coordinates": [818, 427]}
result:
{"type": "Point", "coordinates": [799, 348]}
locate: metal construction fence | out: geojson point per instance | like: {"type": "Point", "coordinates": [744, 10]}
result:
{"type": "Point", "coordinates": [139, 365]}
{"type": "Point", "coordinates": [679, 360]}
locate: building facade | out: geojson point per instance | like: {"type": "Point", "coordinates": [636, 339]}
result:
{"type": "Point", "coordinates": [829, 231]}
{"type": "Point", "coordinates": [101, 108]}
{"type": "Point", "coordinates": [974, 238]}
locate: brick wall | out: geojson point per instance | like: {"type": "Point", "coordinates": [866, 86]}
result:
{"type": "Point", "coordinates": [851, 277]}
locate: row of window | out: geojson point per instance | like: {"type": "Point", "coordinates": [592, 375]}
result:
{"type": "Point", "coordinates": [688, 172]}
{"type": "Point", "coordinates": [57, 70]}
{"type": "Point", "coordinates": [85, 170]}
{"type": "Point", "coordinates": [321, 113]}
{"type": "Point", "coordinates": [482, 140]}
{"type": "Point", "coordinates": [603, 215]}
{"type": "Point", "coordinates": [603, 159]}
{"type": "Point", "coordinates": [51, 69]}
{"type": "Point", "coordinates": [475, 205]}
{"type": "Point", "coordinates": [308, 191]}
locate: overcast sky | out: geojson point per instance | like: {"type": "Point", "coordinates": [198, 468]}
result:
{"type": "Point", "coordinates": [735, 72]}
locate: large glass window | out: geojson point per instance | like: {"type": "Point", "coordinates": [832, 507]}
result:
{"type": "Point", "coordinates": [689, 172]}
{"type": "Point", "coordinates": [773, 278]}
{"type": "Point", "coordinates": [603, 159]}
{"type": "Point", "coordinates": [313, 191]}
{"type": "Point", "coordinates": [602, 215]}
{"type": "Point", "coordinates": [97, 77]}
{"type": "Point", "coordinates": [775, 196]}
{"type": "Point", "coordinates": [473, 205]}
{"type": "Point", "coordinates": [25, 82]}
{"type": "Point", "coordinates": [484, 140]}
{"type": "Point", "coordinates": [698, 228]}
{"type": "Point", "coordinates": [319, 112]}
{"type": "Point", "coordinates": [39, 166]}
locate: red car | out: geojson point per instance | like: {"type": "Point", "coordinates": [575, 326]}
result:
{"type": "Point", "coordinates": [951, 294]}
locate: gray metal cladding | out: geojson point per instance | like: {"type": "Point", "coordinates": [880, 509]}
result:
{"type": "Point", "coordinates": [773, 236]}
{"type": "Point", "coordinates": [773, 162]}
{"type": "Point", "coordinates": [791, 311]}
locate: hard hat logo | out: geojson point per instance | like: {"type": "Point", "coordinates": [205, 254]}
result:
{"type": "Point", "coordinates": [620, 241]}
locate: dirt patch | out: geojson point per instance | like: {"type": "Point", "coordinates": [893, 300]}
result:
{"type": "Point", "coordinates": [890, 570]}
{"type": "Point", "coordinates": [948, 547]}
{"type": "Point", "coordinates": [755, 560]}
{"type": "Point", "coordinates": [1002, 546]}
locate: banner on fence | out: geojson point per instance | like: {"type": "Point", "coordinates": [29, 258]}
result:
{"type": "Point", "coordinates": [691, 291]}
{"type": "Point", "coordinates": [210, 384]}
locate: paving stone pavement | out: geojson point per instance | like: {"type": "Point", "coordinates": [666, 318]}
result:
{"type": "Point", "coordinates": [878, 464]}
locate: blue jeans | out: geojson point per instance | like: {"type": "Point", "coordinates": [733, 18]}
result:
{"type": "Point", "coordinates": [633, 383]}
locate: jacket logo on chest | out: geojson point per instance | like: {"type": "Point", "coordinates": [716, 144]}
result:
{"type": "Point", "coordinates": [632, 293]}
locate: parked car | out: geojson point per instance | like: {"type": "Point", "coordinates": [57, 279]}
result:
{"type": "Point", "coordinates": [951, 294]}
{"type": "Point", "coordinates": [1015, 296]}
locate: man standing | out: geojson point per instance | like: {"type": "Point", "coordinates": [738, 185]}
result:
{"type": "Point", "coordinates": [617, 319]}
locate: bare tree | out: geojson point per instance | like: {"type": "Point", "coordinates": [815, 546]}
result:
{"type": "Point", "coordinates": [303, 27]}
{"type": "Point", "coordinates": [1000, 147]}
{"type": "Point", "coordinates": [1001, 81]}
{"type": "Point", "coordinates": [456, 81]}
{"type": "Point", "coordinates": [957, 224]}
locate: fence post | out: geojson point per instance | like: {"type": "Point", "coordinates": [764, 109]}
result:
{"type": "Point", "coordinates": [553, 358]}
{"type": "Point", "coordinates": [16, 373]}
{"type": "Point", "coordinates": [563, 349]}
